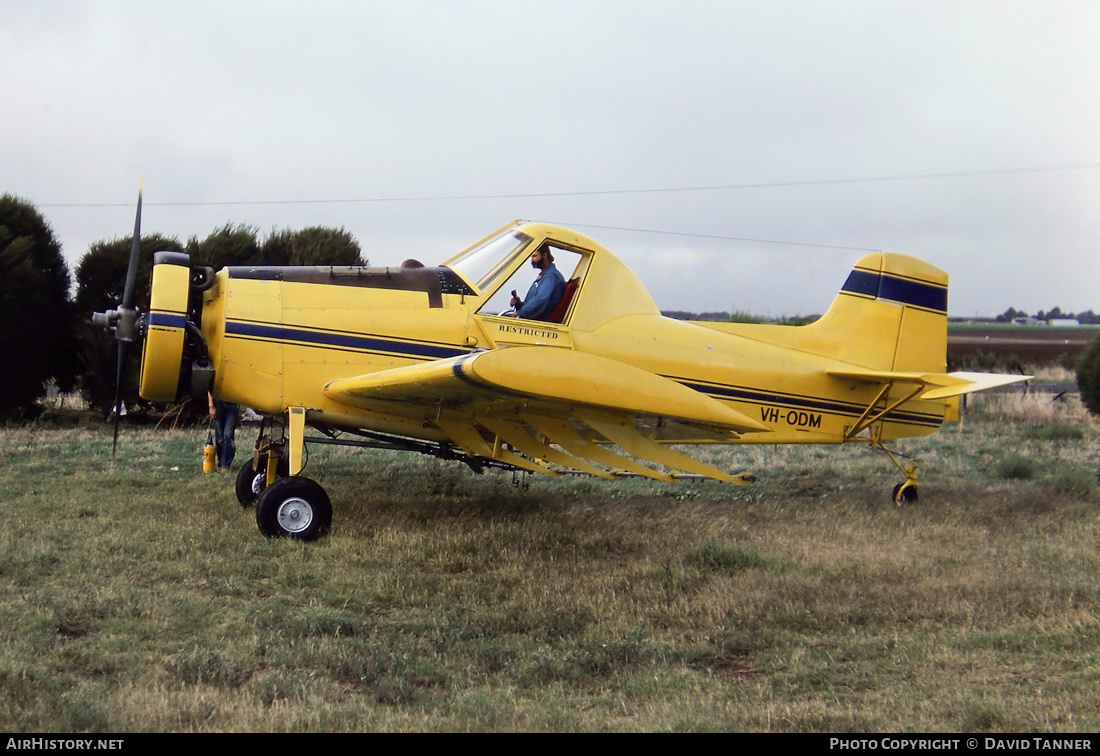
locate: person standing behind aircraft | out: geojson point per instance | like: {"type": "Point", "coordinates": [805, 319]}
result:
{"type": "Point", "coordinates": [545, 292]}
{"type": "Point", "coordinates": [225, 416]}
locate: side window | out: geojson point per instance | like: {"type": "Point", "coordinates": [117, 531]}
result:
{"type": "Point", "coordinates": [569, 264]}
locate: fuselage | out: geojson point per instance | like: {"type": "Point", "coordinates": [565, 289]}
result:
{"type": "Point", "coordinates": [277, 336]}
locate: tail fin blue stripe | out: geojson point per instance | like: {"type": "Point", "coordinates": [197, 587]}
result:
{"type": "Point", "coordinates": [862, 282]}
{"type": "Point", "coordinates": [904, 290]}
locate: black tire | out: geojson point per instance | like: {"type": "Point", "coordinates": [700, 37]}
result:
{"type": "Point", "coordinates": [250, 484]}
{"type": "Point", "coordinates": [906, 495]}
{"type": "Point", "coordinates": [295, 508]}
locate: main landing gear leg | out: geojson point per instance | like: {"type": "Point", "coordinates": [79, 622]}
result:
{"type": "Point", "coordinates": [268, 464]}
{"type": "Point", "coordinates": [293, 507]}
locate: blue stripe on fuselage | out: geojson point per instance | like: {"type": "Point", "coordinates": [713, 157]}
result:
{"type": "Point", "coordinates": [167, 320]}
{"type": "Point", "coordinates": [802, 402]}
{"type": "Point", "coordinates": [334, 340]}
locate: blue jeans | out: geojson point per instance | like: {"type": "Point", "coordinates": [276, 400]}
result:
{"type": "Point", "coordinates": [225, 426]}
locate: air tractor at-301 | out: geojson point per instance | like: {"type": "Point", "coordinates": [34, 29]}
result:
{"type": "Point", "coordinates": [434, 359]}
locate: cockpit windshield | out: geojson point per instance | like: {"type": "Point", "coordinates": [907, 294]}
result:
{"type": "Point", "coordinates": [485, 262]}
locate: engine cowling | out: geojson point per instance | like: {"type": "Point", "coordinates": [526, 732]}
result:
{"type": "Point", "coordinates": [162, 359]}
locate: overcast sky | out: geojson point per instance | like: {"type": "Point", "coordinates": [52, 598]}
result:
{"type": "Point", "coordinates": [390, 118]}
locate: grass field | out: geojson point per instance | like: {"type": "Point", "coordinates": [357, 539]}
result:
{"type": "Point", "coordinates": [137, 595]}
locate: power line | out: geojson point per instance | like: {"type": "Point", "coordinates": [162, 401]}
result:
{"type": "Point", "coordinates": [601, 192]}
{"type": "Point", "coordinates": [722, 238]}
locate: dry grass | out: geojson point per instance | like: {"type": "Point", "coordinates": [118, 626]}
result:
{"type": "Point", "coordinates": [139, 597]}
{"type": "Point", "coordinates": [1032, 407]}
{"type": "Point", "coordinates": [1052, 373]}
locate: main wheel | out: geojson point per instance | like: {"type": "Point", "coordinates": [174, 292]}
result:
{"type": "Point", "coordinates": [250, 483]}
{"type": "Point", "coordinates": [294, 507]}
{"type": "Point", "coordinates": [905, 493]}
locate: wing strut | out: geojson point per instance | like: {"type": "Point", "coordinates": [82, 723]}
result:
{"type": "Point", "coordinates": [623, 434]}
{"type": "Point", "coordinates": [540, 454]}
{"type": "Point", "coordinates": [514, 434]}
{"type": "Point", "coordinates": [867, 419]}
{"type": "Point", "coordinates": [561, 432]}
{"type": "Point", "coordinates": [471, 442]}
{"type": "Point", "coordinates": [296, 435]}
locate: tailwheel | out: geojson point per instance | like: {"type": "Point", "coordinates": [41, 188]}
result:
{"type": "Point", "coordinates": [905, 493]}
{"type": "Point", "coordinates": [252, 478]}
{"type": "Point", "coordinates": [294, 508]}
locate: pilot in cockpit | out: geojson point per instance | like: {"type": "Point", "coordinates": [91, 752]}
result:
{"type": "Point", "coordinates": [546, 291]}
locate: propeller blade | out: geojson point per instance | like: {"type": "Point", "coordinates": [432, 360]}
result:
{"type": "Point", "coordinates": [127, 316]}
{"type": "Point", "coordinates": [135, 250]}
{"type": "Point", "coordinates": [123, 352]}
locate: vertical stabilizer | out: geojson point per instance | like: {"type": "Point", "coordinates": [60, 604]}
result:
{"type": "Point", "coordinates": [891, 314]}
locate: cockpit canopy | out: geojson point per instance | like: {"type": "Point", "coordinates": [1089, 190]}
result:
{"type": "Point", "coordinates": [605, 287]}
{"type": "Point", "coordinates": [483, 263]}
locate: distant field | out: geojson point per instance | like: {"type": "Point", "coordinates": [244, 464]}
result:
{"type": "Point", "coordinates": [137, 595]}
{"type": "Point", "coordinates": [1030, 345]}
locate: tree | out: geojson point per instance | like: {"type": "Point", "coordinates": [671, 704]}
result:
{"type": "Point", "coordinates": [228, 245]}
{"type": "Point", "coordinates": [101, 273]}
{"type": "Point", "coordinates": [316, 245]}
{"type": "Point", "coordinates": [100, 280]}
{"type": "Point", "coordinates": [36, 317]}
{"type": "Point", "coordinates": [1088, 375]}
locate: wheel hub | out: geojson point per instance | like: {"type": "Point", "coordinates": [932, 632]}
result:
{"type": "Point", "coordinates": [294, 515]}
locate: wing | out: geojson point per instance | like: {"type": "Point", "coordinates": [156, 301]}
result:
{"type": "Point", "coordinates": [934, 385]}
{"type": "Point", "coordinates": [557, 410]}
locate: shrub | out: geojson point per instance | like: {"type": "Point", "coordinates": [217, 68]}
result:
{"type": "Point", "coordinates": [715, 556]}
{"type": "Point", "coordinates": [1076, 483]}
{"type": "Point", "coordinates": [1016, 467]}
{"type": "Point", "coordinates": [1088, 375]}
{"type": "Point", "coordinates": [1054, 431]}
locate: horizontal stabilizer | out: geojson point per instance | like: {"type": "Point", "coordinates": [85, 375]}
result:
{"type": "Point", "coordinates": [936, 385]}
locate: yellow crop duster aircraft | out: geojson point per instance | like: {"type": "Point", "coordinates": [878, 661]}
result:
{"type": "Point", "coordinates": [432, 360]}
